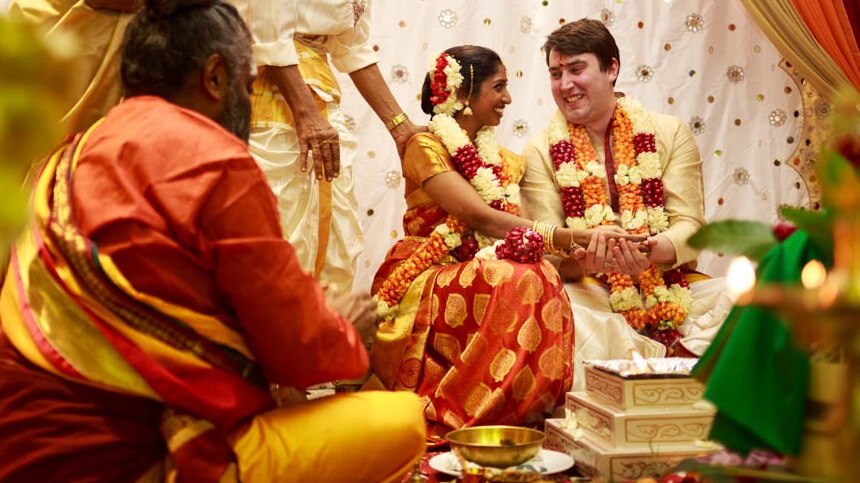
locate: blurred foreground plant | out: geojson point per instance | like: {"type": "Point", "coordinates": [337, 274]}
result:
{"type": "Point", "coordinates": [37, 77]}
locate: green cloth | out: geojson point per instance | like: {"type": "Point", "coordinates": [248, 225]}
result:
{"type": "Point", "coordinates": [754, 372]}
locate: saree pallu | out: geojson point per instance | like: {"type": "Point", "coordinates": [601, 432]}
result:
{"type": "Point", "coordinates": [480, 342]}
{"type": "Point", "coordinates": [70, 312]}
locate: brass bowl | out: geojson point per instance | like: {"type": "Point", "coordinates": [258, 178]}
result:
{"type": "Point", "coordinates": [496, 446]}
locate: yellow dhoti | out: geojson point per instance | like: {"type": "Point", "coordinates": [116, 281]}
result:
{"type": "Point", "coordinates": [362, 437]}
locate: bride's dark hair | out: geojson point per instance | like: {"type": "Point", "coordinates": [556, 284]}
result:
{"type": "Point", "coordinates": [483, 62]}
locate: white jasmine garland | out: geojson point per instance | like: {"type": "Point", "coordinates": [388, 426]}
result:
{"type": "Point", "coordinates": [639, 120]}
{"type": "Point", "coordinates": [452, 240]}
{"type": "Point", "coordinates": [485, 181]}
{"type": "Point", "coordinates": [576, 223]}
{"type": "Point", "coordinates": [451, 134]}
{"type": "Point", "coordinates": [512, 194]}
{"type": "Point", "coordinates": [596, 214]}
{"type": "Point", "coordinates": [658, 220]}
{"type": "Point", "coordinates": [485, 142]}
{"type": "Point", "coordinates": [683, 296]}
{"type": "Point", "coordinates": [632, 221]}
{"type": "Point", "coordinates": [485, 241]}
{"type": "Point", "coordinates": [383, 311]}
{"type": "Point", "coordinates": [558, 130]}
{"type": "Point", "coordinates": [676, 294]}
{"type": "Point", "coordinates": [627, 175]}
{"type": "Point", "coordinates": [567, 175]}
{"type": "Point", "coordinates": [489, 252]}
{"type": "Point", "coordinates": [596, 169]}
{"type": "Point", "coordinates": [626, 299]}
{"type": "Point", "coordinates": [453, 81]}
{"type": "Point", "coordinates": [650, 301]}
{"type": "Point", "coordinates": [487, 185]}
{"type": "Point", "coordinates": [649, 165]}
{"type": "Point", "coordinates": [662, 294]}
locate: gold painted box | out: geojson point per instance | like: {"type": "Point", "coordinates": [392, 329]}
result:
{"type": "Point", "coordinates": [613, 427]}
{"type": "Point", "coordinates": [623, 385]}
{"type": "Point", "coordinates": [616, 464]}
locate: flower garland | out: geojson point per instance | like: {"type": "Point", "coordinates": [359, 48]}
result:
{"type": "Point", "coordinates": [662, 300]}
{"type": "Point", "coordinates": [480, 163]}
{"type": "Point", "coordinates": [445, 81]}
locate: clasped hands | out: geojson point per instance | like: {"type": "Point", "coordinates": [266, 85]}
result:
{"type": "Point", "coordinates": [612, 250]}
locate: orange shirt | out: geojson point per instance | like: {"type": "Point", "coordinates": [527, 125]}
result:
{"type": "Point", "coordinates": [188, 217]}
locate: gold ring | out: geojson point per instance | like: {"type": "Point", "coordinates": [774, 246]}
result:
{"type": "Point", "coordinates": [327, 141]}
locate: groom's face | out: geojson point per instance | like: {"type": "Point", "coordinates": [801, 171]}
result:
{"type": "Point", "coordinates": [582, 91]}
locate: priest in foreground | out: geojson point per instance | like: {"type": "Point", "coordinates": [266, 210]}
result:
{"type": "Point", "coordinates": [153, 301]}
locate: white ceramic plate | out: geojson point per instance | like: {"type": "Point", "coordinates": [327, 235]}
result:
{"type": "Point", "coordinates": [546, 462]}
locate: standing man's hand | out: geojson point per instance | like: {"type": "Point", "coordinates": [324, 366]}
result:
{"type": "Point", "coordinates": [319, 141]}
{"type": "Point", "coordinates": [403, 133]}
{"type": "Point", "coordinates": [317, 138]}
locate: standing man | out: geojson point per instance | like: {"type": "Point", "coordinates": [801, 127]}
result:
{"type": "Point", "coordinates": [605, 161]}
{"type": "Point", "coordinates": [299, 135]}
{"type": "Point", "coordinates": [98, 26]}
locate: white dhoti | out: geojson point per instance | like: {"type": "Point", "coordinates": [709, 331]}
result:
{"type": "Point", "coordinates": [603, 334]}
{"type": "Point", "coordinates": [319, 218]}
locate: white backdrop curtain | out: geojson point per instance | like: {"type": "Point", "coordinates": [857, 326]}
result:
{"type": "Point", "coordinates": [704, 61]}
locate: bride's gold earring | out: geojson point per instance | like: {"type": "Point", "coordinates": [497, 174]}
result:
{"type": "Point", "coordinates": [468, 110]}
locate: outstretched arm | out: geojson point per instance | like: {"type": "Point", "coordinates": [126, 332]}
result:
{"type": "Point", "coordinates": [375, 91]}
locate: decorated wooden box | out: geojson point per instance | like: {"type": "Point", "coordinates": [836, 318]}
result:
{"type": "Point", "coordinates": [611, 426]}
{"type": "Point", "coordinates": [617, 464]}
{"type": "Point", "coordinates": [644, 385]}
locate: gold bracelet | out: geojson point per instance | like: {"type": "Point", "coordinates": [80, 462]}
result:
{"type": "Point", "coordinates": [396, 121]}
{"type": "Point", "coordinates": [540, 228]}
{"type": "Point", "coordinates": [547, 231]}
{"type": "Point", "coordinates": [561, 252]}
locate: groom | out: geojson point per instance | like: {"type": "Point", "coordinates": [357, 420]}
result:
{"type": "Point", "coordinates": [604, 161]}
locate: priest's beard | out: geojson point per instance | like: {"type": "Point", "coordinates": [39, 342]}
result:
{"type": "Point", "coordinates": [236, 116]}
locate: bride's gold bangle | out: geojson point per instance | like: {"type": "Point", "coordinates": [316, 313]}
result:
{"type": "Point", "coordinates": [547, 231]}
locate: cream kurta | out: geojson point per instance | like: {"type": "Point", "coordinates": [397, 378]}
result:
{"type": "Point", "coordinates": [99, 34]}
{"type": "Point", "coordinates": [319, 218]}
{"type": "Point", "coordinates": [683, 190]}
{"type": "Point", "coordinates": [342, 28]}
{"type": "Point", "coordinates": [600, 333]}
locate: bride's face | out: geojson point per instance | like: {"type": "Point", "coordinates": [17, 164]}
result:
{"type": "Point", "coordinates": [488, 103]}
